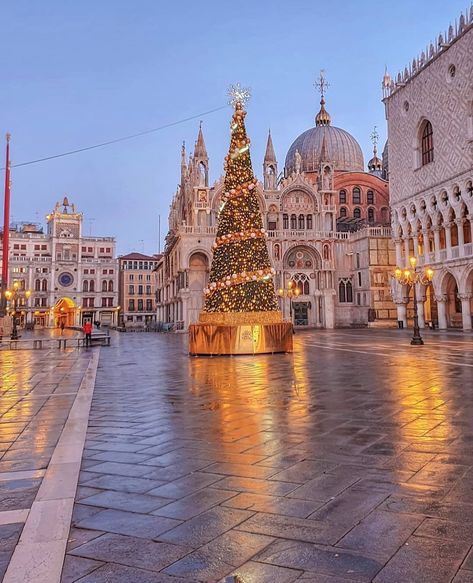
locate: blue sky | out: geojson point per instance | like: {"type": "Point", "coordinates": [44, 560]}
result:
{"type": "Point", "coordinates": [75, 73]}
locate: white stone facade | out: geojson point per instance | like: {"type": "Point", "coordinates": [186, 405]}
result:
{"type": "Point", "coordinates": [343, 277]}
{"type": "Point", "coordinates": [72, 277]}
{"type": "Point", "coordinates": [431, 174]}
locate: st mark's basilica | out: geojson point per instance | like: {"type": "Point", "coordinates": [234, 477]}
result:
{"type": "Point", "coordinates": [328, 224]}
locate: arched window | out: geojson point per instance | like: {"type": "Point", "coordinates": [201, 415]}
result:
{"type": "Point", "coordinates": [301, 222]}
{"type": "Point", "coordinates": [92, 285]}
{"type": "Point", "coordinates": [293, 222]}
{"type": "Point", "coordinates": [342, 197]}
{"type": "Point", "coordinates": [357, 213]}
{"type": "Point", "coordinates": [110, 285]}
{"type": "Point", "coordinates": [370, 197]}
{"type": "Point", "coordinates": [301, 282]}
{"type": "Point", "coordinates": [37, 285]}
{"type": "Point", "coordinates": [342, 298]}
{"type": "Point", "coordinates": [427, 143]}
{"type": "Point", "coordinates": [356, 195]}
{"type": "Point", "coordinates": [44, 285]}
{"type": "Point", "coordinates": [104, 286]}
{"type": "Point", "coordinates": [371, 216]}
{"type": "Point", "coordinates": [349, 292]}
{"type": "Point", "coordinates": [345, 291]}
{"type": "Point", "coordinates": [309, 221]}
{"type": "Point", "coordinates": [343, 211]}
{"type": "Point", "coordinates": [85, 285]}
{"type": "Point", "coordinates": [285, 221]}
{"type": "Point", "coordinates": [326, 252]}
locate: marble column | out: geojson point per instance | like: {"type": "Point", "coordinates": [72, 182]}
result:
{"type": "Point", "coordinates": [425, 235]}
{"type": "Point", "coordinates": [406, 252]}
{"type": "Point", "coordinates": [437, 243]}
{"type": "Point", "coordinates": [448, 240]}
{"type": "Point", "coordinates": [402, 312]}
{"type": "Point", "coordinates": [329, 306]}
{"type": "Point", "coordinates": [398, 244]}
{"type": "Point", "coordinates": [420, 310]}
{"type": "Point", "coordinates": [466, 310]}
{"type": "Point", "coordinates": [461, 238]}
{"type": "Point", "coordinates": [442, 311]}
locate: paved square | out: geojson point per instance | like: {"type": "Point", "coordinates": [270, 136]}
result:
{"type": "Point", "coordinates": [347, 461]}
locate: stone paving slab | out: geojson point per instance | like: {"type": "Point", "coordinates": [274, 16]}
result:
{"type": "Point", "coordinates": [348, 461]}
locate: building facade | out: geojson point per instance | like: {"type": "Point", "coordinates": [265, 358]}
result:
{"type": "Point", "coordinates": [327, 221]}
{"type": "Point", "coordinates": [137, 289]}
{"type": "Point", "coordinates": [429, 108]}
{"type": "Point", "coordinates": [72, 277]}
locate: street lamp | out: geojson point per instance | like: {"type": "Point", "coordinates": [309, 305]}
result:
{"type": "Point", "coordinates": [291, 292]}
{"type": "Point", "coordinates": [410, 277]}
{"type": "Point", "coordinates": [13, 296]}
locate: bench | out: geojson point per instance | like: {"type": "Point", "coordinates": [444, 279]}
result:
{"type": "Point", "coordinates": [100, 338]}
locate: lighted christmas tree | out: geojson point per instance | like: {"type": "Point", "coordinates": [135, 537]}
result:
{"type": "Point", "coordinates": [241, 276]}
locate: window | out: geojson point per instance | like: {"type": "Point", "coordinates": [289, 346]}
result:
{"type": "Point", "coordinates": [301, 282]}
{"type": "Point", "coordinates": [293, 222]}
{"type": "Point", "coordinates": [427, 144]}
{"type": "Point", "coordinates": [148, 290]}
{"type": "Point", "coordinates": [345, 291]}
{"type": "Point", "coordinates": [359, 279]}
{"type": "Point", "coordinates": [104, 286]}
{"type": "Point", "coordinates": [37, 247]}
{"type": "Point", "coordinates": [343, 212]}
{"type": "Point", "coordinates": [301, 222]}
{"type": "Point", "coordinates": [104, 302]}
{"type": "Point", "coordinates": [271, 225]}
{"type": "Point", "coordinates": [105, 271]}
{"type": "Point", "coordinates": [309, 221]}
{"type": "Point", "coordinates": [37, 285]}
{"type": "Point", "coordinates": [356, 195]}
{"type": "Point", "coordinates": [149, 305]}
{"type": "Point", "coordinates": [285, 221]}
{"type": "Point", "coordinates": [131, 277]}
{"type": "Point", "coordinates": [140, 277]}
{"type": "Point", "coordinates": [131, 305]}
{"type": "Point", "coordinates": [85, 286]}
{"type": "Point", "coordinates": [370, 197]}
{"type": "Point", "coordinates": [342, 197]}
{"type": "Point", "coordinates": [371, 215]}
{"type": "Point", "coordinates": [44, 285]}
{"type": "Point", "coordinates": [110, 285]}
{"type": "Point", "coordinates": [148, 277]}
{"type": "Point", "coordinates": [86, 272]}
{"type": "Point", "coordinates": [110, 302]}
{"type": "Point", "coordinates": [91, 284]}
{"type": "Point", "coordinates": [131, 289]}
{"type": "Point", "coordinates": [357, 213]}
{"type": "Point", "coordinates": [140, 305]}
{"type": "Point", "coordinates": [140, 290]}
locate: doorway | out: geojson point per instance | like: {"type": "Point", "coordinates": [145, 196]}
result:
{"type": "Point", "coordinates": [301, 313]}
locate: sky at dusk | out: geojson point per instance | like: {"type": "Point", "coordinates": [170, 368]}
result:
{"type": "Point", "coordinates": [80, 72]}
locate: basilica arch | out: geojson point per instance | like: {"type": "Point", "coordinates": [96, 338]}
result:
{"type": "Point", "coordinates": [302, 266]}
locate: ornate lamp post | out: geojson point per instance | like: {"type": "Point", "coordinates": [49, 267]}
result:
{"type": "Point", "coordinates": [291, 292]}
{"type": "Point", "coordinates": [410, 277]}
{"type": "Point", "coordinates": [13, 296]}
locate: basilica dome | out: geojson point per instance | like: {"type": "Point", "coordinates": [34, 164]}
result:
{"type": "Point", "coordinates": [325, 143]}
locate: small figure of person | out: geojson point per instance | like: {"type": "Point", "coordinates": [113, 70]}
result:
{"type": "Point", "coordinates": [87, 329]}
{"type": "Point", "coordinates": [62, 326]}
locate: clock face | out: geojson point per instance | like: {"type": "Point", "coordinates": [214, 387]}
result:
{"type": "Point", "coordinates": [65, 279]}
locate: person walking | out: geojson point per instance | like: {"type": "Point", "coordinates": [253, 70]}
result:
{"type": "Point", "coordinates": [87, 329]}
{"type": "Point", "coordinates": [62, 325]}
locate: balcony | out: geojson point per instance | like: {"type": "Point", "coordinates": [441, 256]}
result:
{"type": "Point", "coordinates": [197, 230]}
{"type": "Point", "coordinates": [306, 235]}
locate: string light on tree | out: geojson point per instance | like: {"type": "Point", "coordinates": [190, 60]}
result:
{"type": "Point", "coordinates": [241, 274]}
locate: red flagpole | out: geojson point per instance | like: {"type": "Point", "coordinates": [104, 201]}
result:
{"type": "Point", "coordinates": [6, 222]}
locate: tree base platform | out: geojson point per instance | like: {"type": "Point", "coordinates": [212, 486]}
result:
{"type": "Point", "coordinates": [219, 340]}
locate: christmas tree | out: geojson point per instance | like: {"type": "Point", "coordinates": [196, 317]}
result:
{"type": "Point", "coordinates": [241, 276]}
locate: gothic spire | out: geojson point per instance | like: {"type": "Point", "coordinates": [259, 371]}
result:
{"type": "Point", "coordinates": [200, 150]}
{"type": "Point", "coordinates": [270, 156]}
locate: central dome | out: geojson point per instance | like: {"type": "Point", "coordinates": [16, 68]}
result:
{"type": "Point", "coordinates": [324, 140]}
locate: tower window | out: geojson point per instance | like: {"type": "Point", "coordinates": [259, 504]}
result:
{"type": "Point", "coordinates": [357, 213]}
{"type": "Point", "coordinates": [285, 221]}
{"type": "Point", "coordinates": [371, 215]}
{"type": "Point", "coordinates": [427, 144]}
{"type": "Point", "coordinates": [343, 212]}
{"type": "Point", "coordinates": [356, 195]}
{"type": "Point", "coordinates": [370, 197]}
{"type": "Point", "coordinates": [342, 197]}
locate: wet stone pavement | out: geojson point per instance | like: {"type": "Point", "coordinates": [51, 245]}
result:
{"type": "Point", "coordinates": [349, 461]}
{"type": "Point", "coordinates": [37, 392]}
